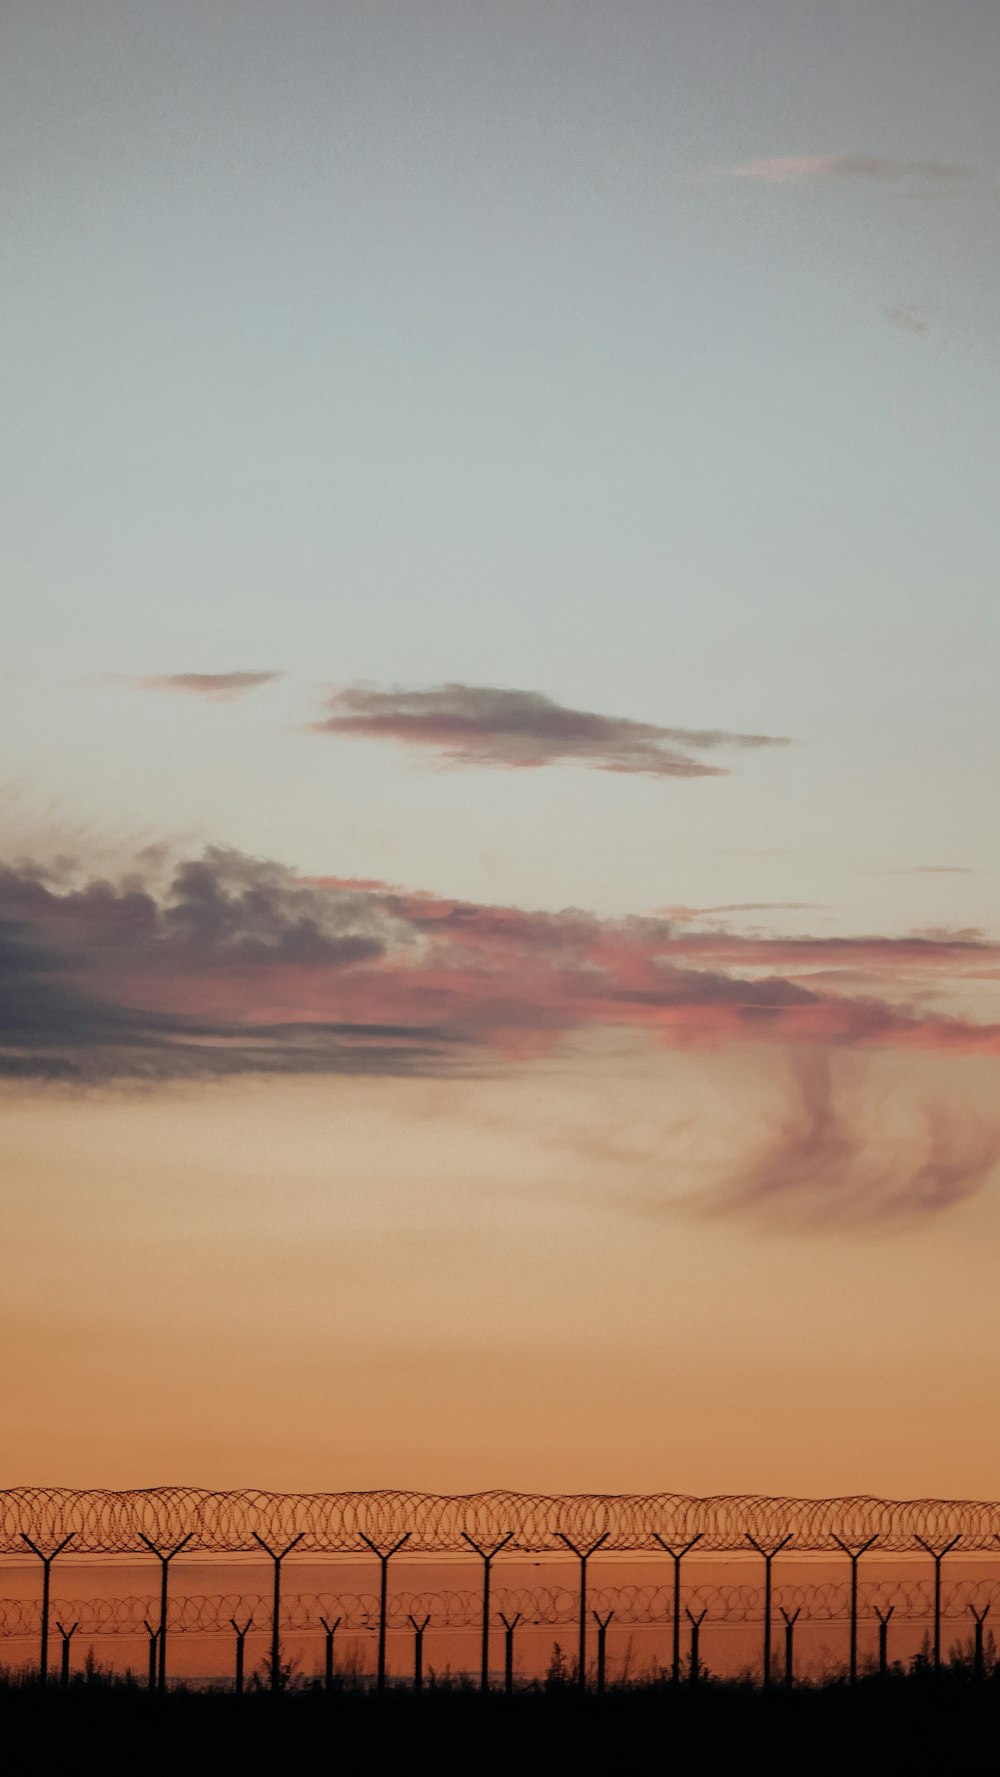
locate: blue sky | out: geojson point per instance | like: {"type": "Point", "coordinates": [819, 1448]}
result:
{"type": "Point", "coordinates": [426, 343]}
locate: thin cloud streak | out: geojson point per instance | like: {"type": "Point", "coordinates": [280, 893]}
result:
{"type": "Point", "coordinates": [811, 169]}
{"type": "Point", "coordinates": [935, 870]}
{"type": "Point", "coordinates": [485, 725]}
{"type": "Point", "coordinates": [684, 914]}
{"type": "Point", "coordinates": [219, 687]}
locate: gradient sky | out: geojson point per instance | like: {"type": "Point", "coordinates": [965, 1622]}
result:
{"type": "Point", "coordinates": [498, 911]}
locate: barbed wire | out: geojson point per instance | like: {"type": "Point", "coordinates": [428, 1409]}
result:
{"type": "Point", "coordinates": [550, 1606]}
{"type": "Point", "coordinates": [105, 1522]}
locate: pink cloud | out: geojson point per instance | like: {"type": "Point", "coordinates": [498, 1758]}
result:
{"type": "Point", "coordinates": [242, 964]}
{"type": "Point", "coordinates": [488, 725]}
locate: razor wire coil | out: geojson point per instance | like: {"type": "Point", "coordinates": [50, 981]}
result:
{"type": "Point", "coordinates": [107, 1522]}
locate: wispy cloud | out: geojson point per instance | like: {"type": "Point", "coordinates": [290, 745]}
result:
{"type": "Point", "coordinates": [683, 914]}
{"type": "Point", "coordinates": [486, 725]}
{"type": "Point", "coordinates": [218, 686]}
{"type": "Point", "coordinates": [951, 934]}
{"type": "Point", "coordinates": [809, 169]}
{"type": "Point", "coordinates": [825, 1164]}
{"type": "Point", "coordinates": [907, 317]}
{"type": "Point", "coordinates": [935, 870]}
{"type": "Point", "coordinates": [239, 965]}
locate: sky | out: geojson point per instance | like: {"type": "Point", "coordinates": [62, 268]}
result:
{"type": "Point", "coordinates": [498, 940]}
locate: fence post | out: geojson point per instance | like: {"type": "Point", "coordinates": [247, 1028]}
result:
{"type": "Point", "coordinates": [790, 1622]}
{"type": "Point", "coordinates": [330, 1630]}
{"type": "Point", "coordinates": [509, 1625]}
{"type": "Point", "coordinates": [418, 1651]}
{"type": "Point", "coordinates": [277, 1556]}
{"type": "Point", "coordinates": [979, 1662]}
{"type": "Point", "coordinates": [583, 1556]}
{"type": "Point", "coordinates": [695, 1622]}
{"type": "Point", "coordinates": [153, 1639]}
{"type": "Point", "coordinates": [602, 1639]}
{"type": "Point", "coordinates": [46, 1561]}
{"type": "Point", "coordinates": [241, 1635]}
{"type": "Point", "coordinates": [937, 1557]}
{"type": "Point", "coordinates": [164, 1557]}
{"type": "Point", "coordinates": [854, 1556]}
{"type": "Point", "coordinates": [768, 1556]}
{"type": "Point", "coordinates": [883, 1640]}
{"type": "Point", "coordinates": [486, 1557]}
{"type": "Point", "coordinates": [677, 1556]}
{"type": "Point", "coordinates": [67, 1636]}
{"type": "Point", "coordinates": [385, 1556]}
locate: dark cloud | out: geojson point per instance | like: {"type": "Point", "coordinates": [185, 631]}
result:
{"type": "Point", "coordinates": [223, 910]}
{"type": "Point", "coordinates": [219, 686]}
{"type": "Point", "coordinates": [230, 910]}
{"type": "Point", "coordinates": [40, 1003]}
{"type": "Point", "coordinates": [74, 962]}
{"type": "Point", "coordinates": [486, 725]}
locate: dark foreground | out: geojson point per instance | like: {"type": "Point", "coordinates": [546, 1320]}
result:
{"type": "Point", "coordinates": [924, 1727]}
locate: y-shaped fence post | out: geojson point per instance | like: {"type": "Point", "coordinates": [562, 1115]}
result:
{"type": "Point", "coordinates": [768, 1556]}
{"type": "Point", "coordinates": [602, 1647]}
{"type": "Point", "coordinates": [385, 1556]}
{"type": "Point", "coordinates": [979, 1661]}
{"type": "Point", "coordinates": [854, 1556]}
{"type": "Point", "coordinates": [330, 1630]}
{"type": "Point", "coordinates": [241, 1635]}
{"type": "Point", "coordinates": [418, 1650]}
{"type": "Point", "coordinates": [277, 1556]}
{"type": "Point", "coordinates": [153, 1639]}
{"type": "Point", "coordinates": [486, 1557]}
{"type": "Point", "coordinates": [509, 1625]}
{"type": "Point", "coordinates": [883, 1640]}
{"type": "Point", "coordinates": [164, 1558]}
{"type": "Point", "coordinates": [583, 1556]}
{"type": "Point", "coordinates": [67, 1636]}
{"type": "Point", "coordinates": [46, 1561]}
{"type": "Point", "coordinates": [790, 1622]}
{"type": "Point", "coordinates": [677, 1556]}
{"type": "Point", "coordinates": [937, 1556]}
{"type": "Point", "coordinates": [695, 1622]}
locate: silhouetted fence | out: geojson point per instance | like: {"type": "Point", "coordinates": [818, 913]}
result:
{"type": "Point", "coordinates": [171, 1522]}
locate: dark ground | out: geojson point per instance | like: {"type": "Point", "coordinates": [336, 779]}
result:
{"type": "Point", "coordinates": [924, 1728]}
